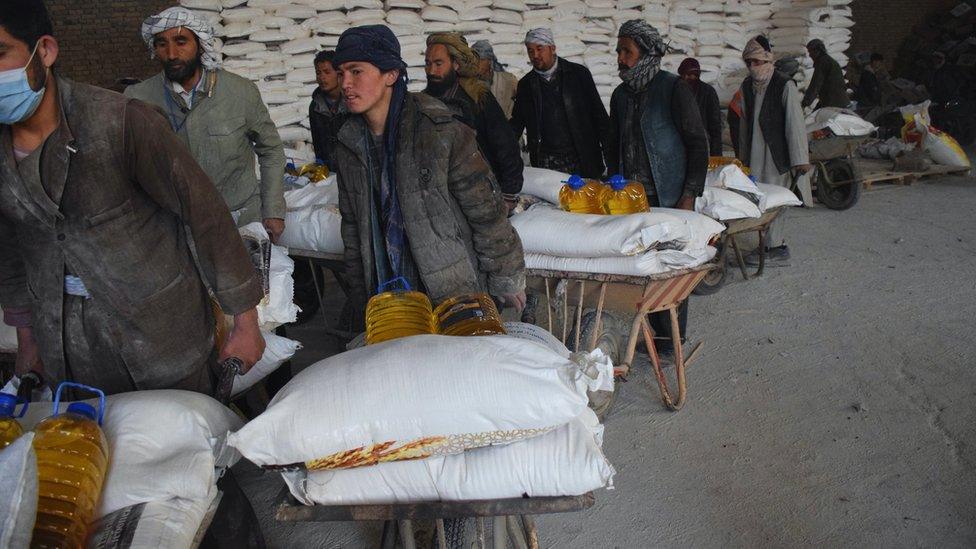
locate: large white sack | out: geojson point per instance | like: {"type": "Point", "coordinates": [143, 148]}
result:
{"type": "Point", "coordinates": [162, 444]}
{"type": "Point", "coordinates": [565, 462]}
{"type": "Point", "coordinates": [277, 351]}
{"type": "Point", "coordinates": [438, 13]}
{"type": "Point", "coordinates": [775, 196]}
{"type": "Point", "coordinates": [417, 397]}
{"type": "Point", "coordinates": [732, 177]}
{"type": "Point", "coordinates": [173, 523]}
{"type": "Point", "coordinates": [547, 230]}
{"type": "Point", "coordinates": [315, 228]}
{"type": "Point", "coordinates": [536, 334]}
{"type": "Point", "coordinates": [18, 484]}
{"type": "Point", "coordinates": [543, 183]}
{"type": "Point", "coordinates": [648, 263]}
{"type": "Point", "coordinates": [278, 306]}
{"type": "Point", "coordinates": [725, 205]}
{"type": "Point", "coordinates": [842, 122]}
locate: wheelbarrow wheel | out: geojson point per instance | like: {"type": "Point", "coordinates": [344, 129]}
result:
{"type": "Point", "coordinates": [609, 342]}
{"type": "Point", "coordinates": [715, 278]}
{"type": "Point", "coordinates": [837, 197]}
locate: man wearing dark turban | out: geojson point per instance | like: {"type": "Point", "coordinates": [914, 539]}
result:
{"type": "Point", "coordinates": [453, 77]}
{"type": "Point", "coordinates": [827, 86]}
{"type": "Point", "coordinates": [657, 136]}
{"type": "Point", "coordinates": [416, 195]}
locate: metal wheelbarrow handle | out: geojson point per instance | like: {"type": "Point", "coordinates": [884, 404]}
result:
{"type": "Point", "coordinates": [229, 370]}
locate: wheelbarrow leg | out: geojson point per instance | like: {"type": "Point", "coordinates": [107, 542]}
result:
{"type": "Point", "coordinates": [531, 532]}
{"type": "Point", "coordinates": [516, 532]}
{"type": "Point", "coordinates": [406, 534]}
{"type": "Point", "coordinates": [738, 257]}
{"type": "Point", "coordinates": [499, 532]}
{"type": "Point", "coordinates": [669, 401]}
{"type": "Point", "coordinates": [388, 538]}
{"type": "Point", "coordinates": [762, 251]}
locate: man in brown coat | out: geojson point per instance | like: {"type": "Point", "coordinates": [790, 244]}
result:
{"type": "Point", "coordinates": [415, 194]}
{"type": "Point", "coordinates": [96, 269]}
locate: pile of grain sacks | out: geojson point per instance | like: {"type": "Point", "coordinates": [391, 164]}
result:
{"type": "Point", "coordinates": [273, 42]}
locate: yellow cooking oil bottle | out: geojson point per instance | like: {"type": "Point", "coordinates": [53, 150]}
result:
{"type": "Point", "coordinates": [715, 162]}
{"type": "Point", "coordinates": [10, 430]}
{"type": "Point", "coordinates": [624, 197]}
{"type": "Point", "coordinates": [314, 171]}
{"type": "Point", "coordinates": [72, 457]}
{"type": "Point", "coordinates": [398, 313]}
{"type": "Point", "coordinates": [469, 315]}
{"type": "Point", "coordinates": [580, 195]}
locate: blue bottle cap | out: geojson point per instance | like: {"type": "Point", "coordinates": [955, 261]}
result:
{"type": "Point", "coordinates": [8, 403]}
{"type": "Point", "coordinates": [83, 409]}
{"type": "Point", "coordinates": [575, 182]}
{"type": "Point", "coordinates": [617, 182]}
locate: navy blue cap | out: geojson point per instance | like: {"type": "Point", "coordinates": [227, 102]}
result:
{"type": "Point", "coordinates": [8, 403]}
{"type": "Point", "coordinates": [83, 409]}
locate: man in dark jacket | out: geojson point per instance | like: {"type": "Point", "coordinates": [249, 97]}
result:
{"type": "Point", "coordinates": [707, 99]}
{"type": "Point", "coordinates": [868, 94]}
{"type": "Point", "coordinates": [415, 193]}
{"type": "Point", "coordinates": [657, 135]}
{"type": "Point", "coordinates": [327, 111]}
{"type": "Point", "coordinates": [558, 105]}
{"type": "Point", "coordinates": [99, 201]}
{"type": "Point", "coordinates": [452, 77]}
{"type": "Point", "coordinates": [828, 85]}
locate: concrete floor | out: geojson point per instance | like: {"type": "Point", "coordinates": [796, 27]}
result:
{"type": "Point", "coordinates": [833, 405]}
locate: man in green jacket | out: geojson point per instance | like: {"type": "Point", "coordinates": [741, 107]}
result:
{"type": "Point", "coordinates": [219, 116]}
{"type": "Point", "coordinates": [828, 85]}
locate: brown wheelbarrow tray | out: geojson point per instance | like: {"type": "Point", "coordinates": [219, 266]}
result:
{"type": "Point", "coordinates": [513, 517]}
{"type": "Point", "coordinates": [636, 295]}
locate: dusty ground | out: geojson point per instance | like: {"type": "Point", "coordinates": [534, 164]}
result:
{"type": "Point", "coordinates": [834, 403]}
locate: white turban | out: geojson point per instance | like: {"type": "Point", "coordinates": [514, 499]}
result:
{"type": "Point", "coordinates": [541, 36]}
{"type": "Point", "coordinates": [172, 18]}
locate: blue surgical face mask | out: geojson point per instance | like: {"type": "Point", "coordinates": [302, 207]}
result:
{"type": "Point", "coordinates": [17, 100]}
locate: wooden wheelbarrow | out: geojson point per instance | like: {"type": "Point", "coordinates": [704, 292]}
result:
{"type": "Point", "coordinates": [636, 295]}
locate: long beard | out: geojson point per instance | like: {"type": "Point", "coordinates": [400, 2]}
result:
{"type": "Point", "coordinates": [176, 73]}
{"type": "Point", "coordinates": [439, 87]}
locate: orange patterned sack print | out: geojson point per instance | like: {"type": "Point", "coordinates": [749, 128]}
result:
{"type": "Point", "coordinates": [417, 449]}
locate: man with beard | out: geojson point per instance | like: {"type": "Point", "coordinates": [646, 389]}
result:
{"type": "Point", "coordinates": [657, 136]}
{"type": "Point", "coordinates": [558, 106]}
{"type": "Point", "coordinates": [327, 111]}
{"type": "Point", "coordinates": [416, 196]}
{"type": "Point", "coordinates": [218, 115]}
{"type": "Point", "coordinates": [707, 99]}
{"type": "Point", "coordinates": [503, 84]}
{"type": "Point", "coordinates": [772, 136]}
{"type": "Point", "coordinates": [452, 77]}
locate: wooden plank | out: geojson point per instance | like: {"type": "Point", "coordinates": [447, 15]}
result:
{"type": "Point", "coordinates": [289, 510]}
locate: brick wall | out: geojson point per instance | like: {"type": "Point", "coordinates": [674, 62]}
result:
{"type": "Point", "coordinates": [881, 25]}
{"type": "Point", "coordinates": [100, 40]}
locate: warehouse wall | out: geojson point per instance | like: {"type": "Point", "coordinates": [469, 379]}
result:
{"type": "Point", "coordinates": [882, 25]}
{"type": "Point", "coordinates": [100, 40]}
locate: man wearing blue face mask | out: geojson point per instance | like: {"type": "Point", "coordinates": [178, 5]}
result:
{"type": "Point", "coordinates": [96, 198]}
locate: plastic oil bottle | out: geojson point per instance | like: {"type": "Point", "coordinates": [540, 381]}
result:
{"type": "Point", "coordinates": [469, 315]}
{"type": "Point", "coordinates": [72, 456]}
{"type": "Point", "coordinates": [10, 430]}
{"type": "Point", "coordinates": [580, 195]}
{"type": "Point", "coordinates": [314, 171]}
{"type": "Point", "coordinates": [398, 313]}
{"type": "Point", "coordinates": [719, 161]}
{"type": "Point", "coordinates": [624, 197]}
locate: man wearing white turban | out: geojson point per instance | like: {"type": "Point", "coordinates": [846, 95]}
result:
{"type": "Point", "coordinates": [558, 106]}
{"type": "Point", "coordinates": [219, 116]}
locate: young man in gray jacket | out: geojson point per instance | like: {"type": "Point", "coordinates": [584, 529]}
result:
{"type": "Point", "coordinates": [219, 116]}
{"type": "Point", "coordinates": [416, 195]}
